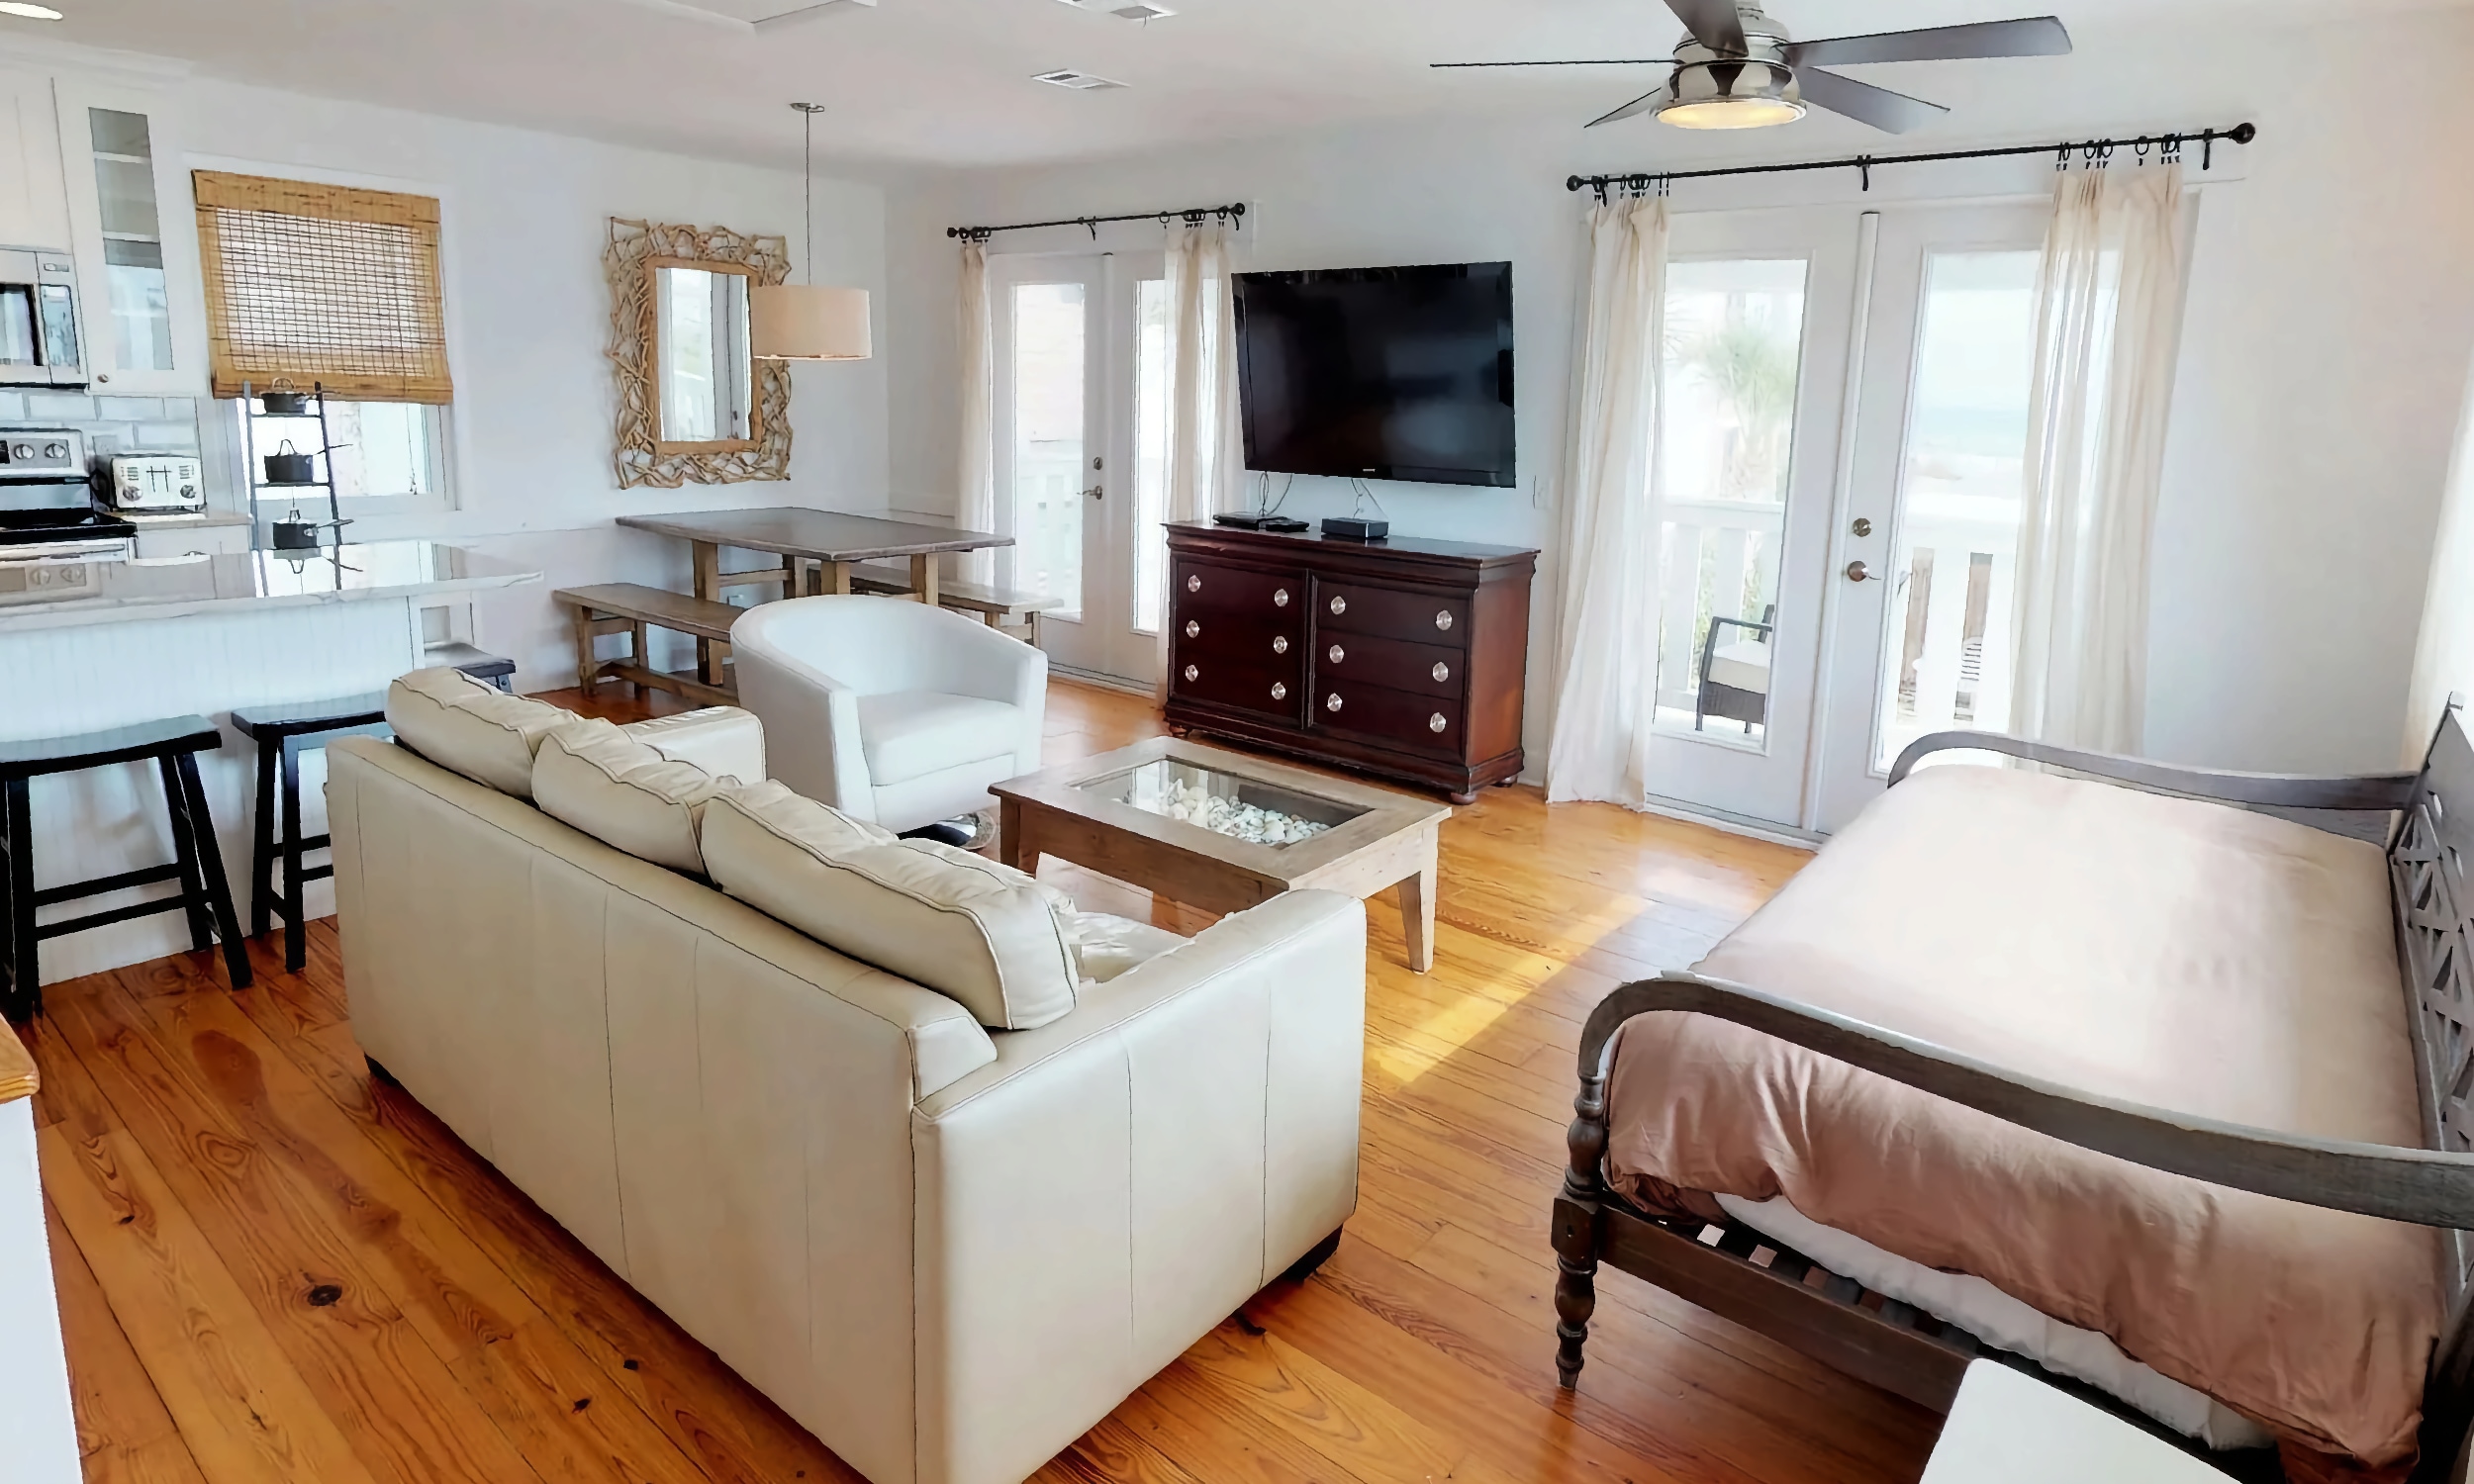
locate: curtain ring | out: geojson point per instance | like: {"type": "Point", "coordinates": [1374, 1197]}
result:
{"type": "Point", "coordinates": [2062, 158]}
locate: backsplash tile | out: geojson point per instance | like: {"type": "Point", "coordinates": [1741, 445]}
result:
{"type": "Point", "coordinates": [111, 425]}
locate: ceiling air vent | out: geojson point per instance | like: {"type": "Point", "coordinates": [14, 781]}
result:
{"type": "Point", "coordinates": [1081, 82]}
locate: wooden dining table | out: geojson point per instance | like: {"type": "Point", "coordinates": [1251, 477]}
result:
{"type": "Point", "coordinates": [817, 548]}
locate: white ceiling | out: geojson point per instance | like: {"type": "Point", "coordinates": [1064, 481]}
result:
{"type": "Point", "coordinates": [947, 82]}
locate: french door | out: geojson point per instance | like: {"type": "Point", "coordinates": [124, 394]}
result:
{"type": "Point", "coordinates": [1843, 431]}
{"type": "Point", "coordinates": [1079, 427]}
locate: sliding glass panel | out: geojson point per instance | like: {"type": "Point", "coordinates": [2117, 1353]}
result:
{"type": "Point", "coordinates": [1049, 322]}
{"type": "Point", "coordinates": [1734, 333]}
{"type": "Point", "coordinates": [1949, 634]}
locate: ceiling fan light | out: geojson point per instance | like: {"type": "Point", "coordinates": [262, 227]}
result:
{"type": "Point", "coordinates": [1749, 94]}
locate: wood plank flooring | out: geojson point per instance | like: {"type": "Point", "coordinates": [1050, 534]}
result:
{"type": "Point", "coordinates": [271, 1269]}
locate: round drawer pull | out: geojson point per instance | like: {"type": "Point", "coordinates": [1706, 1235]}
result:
{"type": "Point", "coordinates": [1280, 598]}
{"type": "Point", "coordinates": [1436, 723]}
{"type": "Point", "coordinates": [1337, 653]}
{"type": "Point", "coordinates": [1192, 674]}
{"type": "Point", "coordinates": [1193, 629]}
{"type": "Point", "coordinates": [1331, 702]}
{"type": "Point", "coordinates": [1279, 643]}
{"type": "Point", "coordinates": [1193, 584]}
{"type": "Point", "coordinates": [1339, 604]}
{"type": "Point", "coordinates": [1443, 620]}
{"type": "Point", "coordinates": [1442, 672]}
{"type": "Point", "coordinates": [1280, 690]}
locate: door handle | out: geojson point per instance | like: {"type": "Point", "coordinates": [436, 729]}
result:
{"type": "Point", "coordinates": [1857, 571]}
{"type": "Point", "coordinates": [1094, 493]}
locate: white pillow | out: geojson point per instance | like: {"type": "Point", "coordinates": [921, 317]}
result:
{"type": "Point", "coordinates": [724, 741]}
{"type": "Point", "coordinates": [980, 933]}
{"type": "Point", "coordinates": [471, 728]}
{"type": "Point", "coordinates": [623, 793]}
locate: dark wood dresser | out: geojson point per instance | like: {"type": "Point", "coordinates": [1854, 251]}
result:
{"type": "Point", "coordinates": [1405, 659]}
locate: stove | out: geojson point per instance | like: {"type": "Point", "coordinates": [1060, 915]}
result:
{"type": "Point", "coordinates": [47, 513]}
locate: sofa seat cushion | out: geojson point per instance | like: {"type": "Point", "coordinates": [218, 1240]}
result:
{"type": "Point", "coordinates": [2178, 954]}
{"type": "Point", "coordinates": [724, 741]}
{"type": "Point", "coordinates": [1744, 665]}
{"type": "Point", "coordinates": [1106, 945]}
{"type": "Point", "coordinates": [622, 793]}
{"type": "Point", "coordinates": [906, 734]}
{"type": "Point", "coordinates": [466, 726]}
{"type": "Point", "coordinates": [982, 934]}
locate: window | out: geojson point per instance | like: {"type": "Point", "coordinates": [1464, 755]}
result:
{"type": "Point", "coordinates": [133, 239]}
{"type": "Point", "coordinates": [383, 450]}
{"type": "Point", "coordinates": [323, 286]}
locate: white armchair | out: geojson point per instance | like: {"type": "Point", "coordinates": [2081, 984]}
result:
{"type": "Point", "coordinates": [890, 711]}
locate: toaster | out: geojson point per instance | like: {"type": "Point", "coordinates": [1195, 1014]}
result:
{"type": "Point", "coordinates": [158, 482]}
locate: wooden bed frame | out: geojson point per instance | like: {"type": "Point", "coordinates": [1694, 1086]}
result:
{"type": "Point", "coordinates": [1735, 1272]}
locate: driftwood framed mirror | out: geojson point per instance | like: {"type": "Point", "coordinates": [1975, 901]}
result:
{"type": "Point", "coordinates": [693, 407]}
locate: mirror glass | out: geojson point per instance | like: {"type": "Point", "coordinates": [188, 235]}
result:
{"type": "Point", "coordinates": [705, 371]}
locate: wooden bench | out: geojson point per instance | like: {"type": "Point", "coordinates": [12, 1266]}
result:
{"type": "Point", "coordinates": [997, 607]}
{"type": "Point", "coordinates": [630, 609]}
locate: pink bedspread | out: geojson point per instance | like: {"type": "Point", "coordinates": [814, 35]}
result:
{"type": "Point", "coordinates": [2179, 954]}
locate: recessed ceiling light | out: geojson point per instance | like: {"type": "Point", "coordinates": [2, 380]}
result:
{"type": "Point", "coordinates": [29, 11]}
{"type": "Point", "coordinates": [1080, 82]}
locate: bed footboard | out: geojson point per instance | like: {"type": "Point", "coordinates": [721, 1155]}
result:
{"type": "Point", "coordinates": [2370, 792]}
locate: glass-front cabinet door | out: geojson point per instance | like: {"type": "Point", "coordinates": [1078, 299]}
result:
{"type": "Point", "coordinates": [129, 215]}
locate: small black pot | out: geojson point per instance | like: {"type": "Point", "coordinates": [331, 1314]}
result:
{"type": "Point", "coordinates": [296, 535]}
{"type": "Point", "coordinates": [284, 403]}
{"type": "Point", "coordinates": [286, 466]}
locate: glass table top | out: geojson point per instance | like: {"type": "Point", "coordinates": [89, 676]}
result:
{"type": "Point", "coordinates": [1224, 803]}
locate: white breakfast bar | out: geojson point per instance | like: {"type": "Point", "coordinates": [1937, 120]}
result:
{"type": "Point", "coordinates": [88, 646]}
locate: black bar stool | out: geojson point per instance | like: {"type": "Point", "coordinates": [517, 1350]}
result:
{"type": "Point", "coordinates": [173, 744]}
{"type": "Point", "coordinates": [282, 734]}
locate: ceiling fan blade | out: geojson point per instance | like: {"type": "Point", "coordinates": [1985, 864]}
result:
{"type": "Point", "coordinates": [2040, 36]}
{"type": "Point", "coordinates": [1640, 105]}
{"type": "Point", "coordinates": [1892, 112]}
{"type": "Point", "coordinates": [1592, 62]}
{"type": "Point", "coordinates": [1713, 22]}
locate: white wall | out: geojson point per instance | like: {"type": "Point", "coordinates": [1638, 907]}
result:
{"type": "Point", "coordinates": [2443, 660]}
{"type": "Point", "coordinates": [525, 221]}
{"type": "Point", "coordinates": [2331, 311]}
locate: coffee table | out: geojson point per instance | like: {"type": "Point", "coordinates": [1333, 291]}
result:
{"type": "Point", "coordinates": [1118, 813]}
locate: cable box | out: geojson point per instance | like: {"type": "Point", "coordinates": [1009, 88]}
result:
{"type": "Point", "coordinates": [1351, 528]}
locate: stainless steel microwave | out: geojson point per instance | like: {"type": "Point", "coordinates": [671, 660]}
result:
{"type": "Point", "coordinates": [39, 341]}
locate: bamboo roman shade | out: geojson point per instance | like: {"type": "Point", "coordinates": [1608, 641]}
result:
{"type": "Point", "coordinates": [324, 285]}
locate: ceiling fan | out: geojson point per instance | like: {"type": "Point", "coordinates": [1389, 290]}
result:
{"type": "Point", "coordinates": [1736, 68]}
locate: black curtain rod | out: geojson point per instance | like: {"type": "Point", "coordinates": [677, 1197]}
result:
{"type": "Point", "coordinates": [2169, 147]}
{"type": "Point", "coordinates": [1191, 215]}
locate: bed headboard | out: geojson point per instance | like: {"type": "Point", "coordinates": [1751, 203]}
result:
{"type": "Point", "coordinates": [2428, 874]}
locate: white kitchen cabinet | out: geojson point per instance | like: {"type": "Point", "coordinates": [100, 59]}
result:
{"type": "Point", "coordinates": [132, 228]}
{"type": "Point", "coordinates": [34, 200]}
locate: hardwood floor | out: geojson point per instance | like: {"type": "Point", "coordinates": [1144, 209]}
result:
{"type": "Point", "coordinates": [272, 1269]}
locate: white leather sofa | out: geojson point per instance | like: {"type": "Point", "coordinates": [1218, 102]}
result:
{"type": "Point", "coordinates": [947, 1251]}
{"type": "Point", "coordinates": [892, 711]}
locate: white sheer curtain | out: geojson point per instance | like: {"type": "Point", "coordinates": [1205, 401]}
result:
{"type": "Point", "coordinates": [1606, 637]}
{"type": "Point", "coordinates": [976, 473]}
{"type": "Point", "coordinates": [2108, 322]}
{"type": "Point", "coordinates": [1205, 449]}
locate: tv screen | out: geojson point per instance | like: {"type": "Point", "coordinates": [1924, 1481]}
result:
{"type": "Point", "coordinates": [1379, 373]}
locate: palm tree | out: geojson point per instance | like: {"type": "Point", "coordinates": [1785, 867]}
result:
{"type": "Point", "coordinates": [1753, 369]}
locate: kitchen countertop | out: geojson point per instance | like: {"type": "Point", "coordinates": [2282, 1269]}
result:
{"type": "Point", "coordinates": [74, 593]}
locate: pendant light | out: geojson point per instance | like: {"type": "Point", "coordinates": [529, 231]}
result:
{"type": "Point", "coordinates": [803, 322]}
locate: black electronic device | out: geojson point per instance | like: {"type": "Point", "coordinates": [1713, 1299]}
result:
{"type": "Point", "coordinates": [1354, 528]}
{"type": "Point", "coordinates": [1242, 520]}
{"type": "Point", "coordinates": [1379, 373]}
{"type": "Point", "coordinates": [1285, 524]}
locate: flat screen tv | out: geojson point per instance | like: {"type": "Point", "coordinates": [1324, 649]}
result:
{"type": "Point", "coordinates": [1379, 373]}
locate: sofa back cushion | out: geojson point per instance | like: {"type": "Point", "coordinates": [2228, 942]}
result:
{"type": "Point", "coordinates": [624, 793]}
{"type": "Point", "coordinates": [724, 741]}
{"type": "Point", "coordinates": [984, 935]}
{"type": "Point", "coordinates": [471, 728]}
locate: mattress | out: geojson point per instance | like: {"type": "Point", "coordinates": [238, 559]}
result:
{"type": "Point", "coordinates": [2165, 951]}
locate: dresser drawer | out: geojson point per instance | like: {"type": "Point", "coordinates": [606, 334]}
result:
{"type": "Point", "coordinates": [1199, 590]}
{"type": "Point", "coordinates": [1428, 668]}
{"type": "Point", "coordinates": [1397, 719]}
{"type": "Point", "coordinates": [1266, 684]}
{"type": "Point", "coordinates": [1392, 613]}
{"type": "Point", "coordinates": [1244, 637]}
